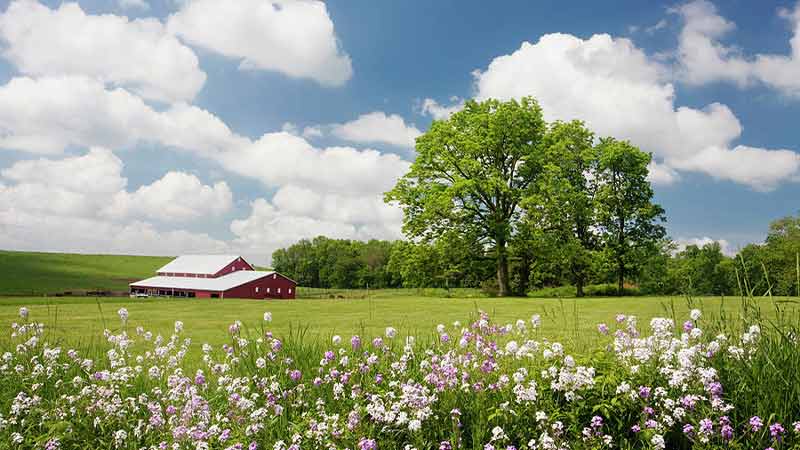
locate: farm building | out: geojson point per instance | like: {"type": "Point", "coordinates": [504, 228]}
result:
{"type": "Point", "coordinates": [214, 276]}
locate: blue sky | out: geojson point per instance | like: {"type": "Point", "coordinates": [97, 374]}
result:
{"type": "Point", "coordinates": [135, 126]}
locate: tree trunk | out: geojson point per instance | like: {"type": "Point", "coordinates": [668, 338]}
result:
{"type": "Point", "coordinates": [502, 268]}
{"type": "Point", "coordinates": [579, 286]}
{"type": "Point", "coordinates": [621, 279]}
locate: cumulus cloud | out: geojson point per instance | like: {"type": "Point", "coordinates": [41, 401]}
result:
{"type": "Point", "coordinates": [437, 111]}
{"type": "Point", "coordinates": [343, 184]}
{"type": "Point", "coordinates": [619, 91]}
{"type": "Point", "coordinates": [377, 127]}
{"type": "Point", "coordinates": [277, 224]}
{"type": "Point", "coordinates": [296, 38]}
{"type": "Point", "coordinates": [704, 58]}
{"type": "Point", "coordinates": [662, 175]}
{"type": "Point", "coordinates": [91, 186]}
{"type": "Point", "coordinates": [139, 55]}
{"type": "Point", "coordinates": [176, 197]}
{"type": "Point", "coordinates": [72, 204]}
{"type": "Point", "coordinates": [49, 114]}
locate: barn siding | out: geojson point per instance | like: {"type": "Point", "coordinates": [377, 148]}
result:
{"type": "Point", "coordinates": [273, 283]}
{"type": "Point", "coordinates": [238, 264]}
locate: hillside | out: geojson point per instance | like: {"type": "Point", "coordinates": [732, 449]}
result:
{"type": "Point", "coordinates": [31, 273]}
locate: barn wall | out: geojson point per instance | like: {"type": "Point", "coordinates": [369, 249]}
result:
{"type": "Point", "coordinates": [238, 264]}
{"type": "Point", "coordinates": [267, 288]}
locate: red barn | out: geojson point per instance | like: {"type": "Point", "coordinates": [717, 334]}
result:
{"type": "Point", "coordinates": [214, 276]}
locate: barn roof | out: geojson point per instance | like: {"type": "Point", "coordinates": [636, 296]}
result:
{"type": "Point", "coordinates": [222, 283]}
{"type": "Point", "coordinates": [205, 264]}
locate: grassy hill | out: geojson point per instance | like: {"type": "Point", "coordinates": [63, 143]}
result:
{"type": "Point", "coordinates": [30, 273]}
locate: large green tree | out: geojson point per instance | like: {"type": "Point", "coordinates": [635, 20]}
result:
{"type": "Point", "coordinates": [629, 222]}
{"type": "Point", "coordinates": [562, 204]}
{"type": "Point", "coordinates": [470, 174]}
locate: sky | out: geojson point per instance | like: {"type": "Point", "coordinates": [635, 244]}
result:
{"type": "Point", "coordinates": [207, 126]}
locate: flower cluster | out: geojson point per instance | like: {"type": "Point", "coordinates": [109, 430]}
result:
{"type": "Point", "coordinates": [475, 386]}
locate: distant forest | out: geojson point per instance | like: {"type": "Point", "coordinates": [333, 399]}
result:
{"type": "Point", "coordinates": [322, 262]}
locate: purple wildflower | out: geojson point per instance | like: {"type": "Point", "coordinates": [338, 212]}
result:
{"type": "Point", "coordinates": [756, 423]}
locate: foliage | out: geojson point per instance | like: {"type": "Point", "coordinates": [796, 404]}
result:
{"type": "Point", "coordinates": [561, 208]}
{"type": "Point", "coordinates": [630, 223]}
{"type": "Point", "coordinates": [470, 174]}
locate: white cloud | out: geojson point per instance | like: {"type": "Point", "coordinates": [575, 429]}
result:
{"type": "Point", "coordinates": [378, 127]}
{"type": "Point", "coordinates": [704, 58]}
{"type": "Point", "coordinates": [438, 111]}
{"type": "Point", "coordinates": [271, 226]}
{"type": "Point", "coordinates": [137, 54]}
{"type": "Point", "coordinates": [296, 38]}
{"type": "Point", "coordinates": [49, 114]}
{"type": "Point", "coordinates": [725, 246]}
{"type": "Point", "coordinates": [141, 5]}
{"type": "Point", "coordinates": [613, 86]}
{"type": "Point", "coordinates": [70, 204]}
{"type": "Point", "coordinates": [662, 175]}
{"type": "Point", "coordinates": [176, 197]}
{"type": "Point", "coordinates": [91, 186]}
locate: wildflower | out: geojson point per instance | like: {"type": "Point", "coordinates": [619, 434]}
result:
{"type": "Point", "coordinates": [688, 429]}
{"type": "Point", "coordinates": [440, 328]}
{"type": "Point", "coordinates": [727, 432]}
{"type": "Point", "coordinates": [355, 342]}
{"type": "Point", "coordinates": [295, 375]}
{"type": "Point", "coordinates": [178, 326]}
{"type": "Point", "coordinates": [636, 428]}
{"type": "Point", "coordinates": [776, 430]}
{"type": "Point", "coordinates": [377, 342]}
{"type": "Point", "coordinates": [336, 339]}
{"type": "Point", "coordinates": [688, 326]}
{"type": "Point", "coordinates": [234, 327]}
{"type": "Point", "coordinates": [706, 426]}
{"type": "Point", "coordinates": [445, 445]}
{"type": "Point", "coordinates": [391, 332]}
{"type": "Point", "coordinates": [253, 446]}
{"type": "Point", "coordinates": [756, 423]}
{"type": "Point", "coordinates": [123, 314]}
{"type": "Point", "coordinates": [796, 426]}
{"type": "Point", "coordinates": [620, 318]}
{"type": "Point", "coordinates": [16, 438]}
{"type": "Point", "coordinates": [52, 444]}
{"type": "Point", "coordinates": [658, 442]}
{"type": "Point", "coordinates": [644, 392]}
{"type": "Point", "coordinates": [695, 314]}
{"type": "Point", "coordinates": [602, 328]}
{"type": "Point", "coordinates": [444, 338]}
{"type": "Point", "coordinates": [536, 320]}
{"type": "Point", "coordinates": [367, 444]}
{"type": "Point", "coordinates": [23, 313]}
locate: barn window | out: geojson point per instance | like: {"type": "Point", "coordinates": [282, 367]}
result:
{"type": "Point", "coordinates": [267, 290]}
{"type": "Point", "coordinates": [290, 290]}
{"type": "Point", "coordinates": [256, 289]}
{"type": "Point", "coordinates": [274, 276]}
{"type": "Point", "coordinates": [279, 290]}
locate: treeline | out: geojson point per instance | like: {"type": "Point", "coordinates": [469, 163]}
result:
{"type": "Point", "coordinates": [759, 269]}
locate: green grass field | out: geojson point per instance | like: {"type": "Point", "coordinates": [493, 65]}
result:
{"type": "Point", "coordinates": [30, 273]}
{"type": "Point", "coordinates": [80, 321]}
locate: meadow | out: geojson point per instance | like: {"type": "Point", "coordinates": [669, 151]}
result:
{"type": "Point", "coordinates": [81, 320]}
{"type": "Point", "coordinates": [411, 369]}
{"type": "Point", "coordinates": [34, 273]}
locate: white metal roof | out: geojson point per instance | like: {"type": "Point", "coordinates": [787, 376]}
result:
{"type": "Point", "coordinates": [222, 283]}
{"type": "Point", "coordinates": [205, 264]}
